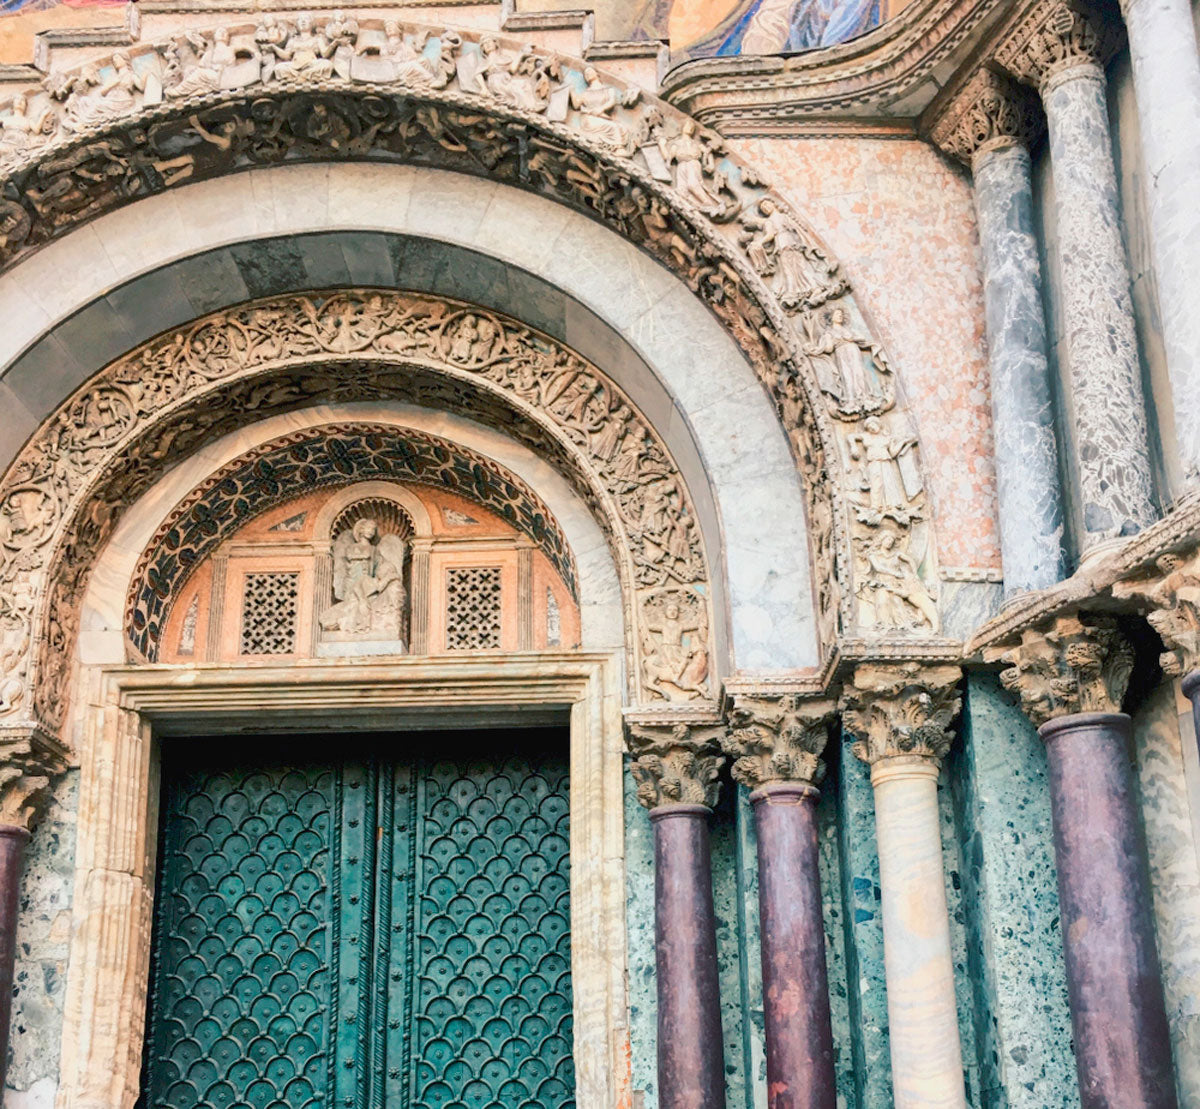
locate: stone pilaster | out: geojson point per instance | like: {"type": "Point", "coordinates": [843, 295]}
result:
{"type": "Point", "coordinates": [29, 761]}
{"type": "Point", "coordinates": [776, 742]}
{"type": "Point", "coordinates": [676, 767]}
{"type": "Point", "coordinates": [900, 716]}
{"type": "Point", "coordinates": [1166, 81]}
{"type": "Point", "coordinates": [1061, 48]}
{"type": "Point", "coordinates": [989, 126]}
{"type": "Point", "coordinates": [1071, 674]}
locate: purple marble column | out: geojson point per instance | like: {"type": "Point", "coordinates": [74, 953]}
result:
{"type": "Point", "coordinates": [691, 1053]}
{"type": "Point", "coordinates": [1122, 1042]}
{"type": "Point", "coordinates": [12, 854]}
{"type": "Point", "coordinates": [800, 1072]}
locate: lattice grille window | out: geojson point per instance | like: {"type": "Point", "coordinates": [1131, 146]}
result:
{"type": "Point", "coordinates": [473, 608]}
{"type": "Point", "coordinates": [270, 603]}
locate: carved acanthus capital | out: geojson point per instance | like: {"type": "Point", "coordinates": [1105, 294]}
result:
{"type": "Point", "coordinates": [1170, 595]}
{"type": "Point", "coordinates": [990, 111]}
{"type": "Point", "coordinates": [901, 710]}
{"type": "Point", "coordinates": [30, 759]}
{"type": "Point", "coordinates": [1074, 663]}
{"type": "Point", "coordinates": [1055, 36]}
{"type": "Point", "coordinates": [676, 763]}
{"type": "Point", "coordinates": [778, 739]}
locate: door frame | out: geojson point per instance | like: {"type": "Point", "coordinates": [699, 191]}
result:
{"type": "Point", "coordinates": [126, 712]}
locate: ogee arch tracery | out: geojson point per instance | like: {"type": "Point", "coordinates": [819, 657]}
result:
{"type": "Point", "coordinates": [109, 442]}
{"type": "Point", "coordinates": [210, 104]}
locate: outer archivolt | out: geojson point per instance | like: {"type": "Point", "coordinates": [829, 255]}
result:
{"type": "Point", "coordinates": [112, 440]}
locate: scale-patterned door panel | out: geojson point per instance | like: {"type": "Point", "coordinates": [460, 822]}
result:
{"type": "Point", "coordinates": [491, 989]}
{"type": "Point", "coordinates": [243, 964]}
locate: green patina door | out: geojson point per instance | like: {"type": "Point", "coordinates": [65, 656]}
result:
{"type": "Point", "coordinates": [371, 932]}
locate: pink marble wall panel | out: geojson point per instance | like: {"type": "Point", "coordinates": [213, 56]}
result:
{"type": "Point", "coordinates": [900, 220]}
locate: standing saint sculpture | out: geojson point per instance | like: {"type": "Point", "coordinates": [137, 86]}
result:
{"type": "Point", "coordinates": [368, 585]}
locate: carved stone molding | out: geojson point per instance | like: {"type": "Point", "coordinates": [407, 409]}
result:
{"type": "Point", "coordinates": [108, 443]}
{"type": "Point", "coordinates": [1169, 594]}
{"type": "Point", "coordinates": [1074, 663]}
{"type": "Point", "coordinates": [778, 738]}
{"type": "Point", "coordinates": [1055, 36]}
{"type": "Point", "coordinates": [676, 763]}
{"type": "Point", "coordinates": [901, 711]}
{"type": "Point", "coordinates": [989, 112]}
{"type": "Point", "coordinates": [30, 760]}
{"type": "Point", "coordinates": [218, 101]}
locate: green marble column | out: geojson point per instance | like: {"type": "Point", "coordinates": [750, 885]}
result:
{"type": "Point", "coordinates": [1010, 905]}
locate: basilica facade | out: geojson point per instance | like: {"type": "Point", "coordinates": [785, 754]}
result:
{"type": "Point", "coordinates": [561, 558]}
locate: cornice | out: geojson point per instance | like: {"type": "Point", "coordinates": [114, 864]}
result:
{"type": "Point", "coordinates": [874, 85]}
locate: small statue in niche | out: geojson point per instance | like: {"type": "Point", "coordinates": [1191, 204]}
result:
{"type": "Point", "coordinates": [368, 584]}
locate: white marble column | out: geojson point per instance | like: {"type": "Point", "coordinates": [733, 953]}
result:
{"type": "Point", "coordinates": [1062, 51]}
{"type": "Point", "coordinates": [900, 716]}
{"type": "Point", "coordinates": [1166, 79]}
{"type": "Point", "coordinates": [988, 126]}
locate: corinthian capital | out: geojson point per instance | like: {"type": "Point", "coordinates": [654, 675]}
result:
{"type": "Point", "coordinates": [901, 710]}
{"type": "Point", "coordinates": [676, 763]}
{"type": "Point", "coordinates": [30, 760]}
{"type": "Point", "coordinates": [778, 739]}
{"type": "Point", "coordinates": [990, 111]}
{"type": "Point", "coordinates": [1170, 597]}
{"type": "Point", "coordinates": [1072, 664]}
{"type": "Point", "coordinates": [1054, 36]}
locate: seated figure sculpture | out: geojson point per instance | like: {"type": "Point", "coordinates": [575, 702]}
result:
{"type": "Point", "coordinates": [370, 600]}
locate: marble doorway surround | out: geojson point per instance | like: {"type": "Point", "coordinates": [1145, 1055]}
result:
{"type": "Point", "coordinates": [130, 711]}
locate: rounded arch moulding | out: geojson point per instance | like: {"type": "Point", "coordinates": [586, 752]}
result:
{"type": "Point", "coordinates": [213, 102]}
{"type": "Point", "coordinates": [110, 442]}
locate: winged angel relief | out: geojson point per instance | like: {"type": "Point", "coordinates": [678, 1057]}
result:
{"type": "Point", "coordinates": [368, 585]}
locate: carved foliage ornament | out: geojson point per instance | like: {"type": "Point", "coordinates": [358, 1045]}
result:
{"type": "Point", "coordinates": [676, 763]}
{"type": "Point", "coordinates": [778, 739]}
{"type": "Point", "coordinates": [1057, 35]}
{"type": "Point", "coordinates": [207, 103]}
{"type": "Point", "coordinates": [903, 710]}
{"type": "Point", "coordinates": [1074, 663]}
{"type": "Point", "coordinates": [1170, 593]}
{"type": "Point", "coordinates": [110, 441]}
{"type": "Point", "coordinates": [990, 111]}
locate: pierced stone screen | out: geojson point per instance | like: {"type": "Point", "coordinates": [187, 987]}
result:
{"type": "Point", "coordinates": [473, 608]}
{"type": "Point", "coordinates": [270, 603]}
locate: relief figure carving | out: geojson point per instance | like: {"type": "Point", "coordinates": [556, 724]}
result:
{"type": "Point", "coordinates": [778, 248]}
{"type": "Point", "coordinates": [848, 366]}
{"type": "Point", "coordinates": [368, 584]}
{"type": "Point", "coordinates": [675, 647]}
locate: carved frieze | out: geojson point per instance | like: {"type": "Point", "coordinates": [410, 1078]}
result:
{"type": "Point", "coordinates": [901, 710]}
{"type": "Point", "coordinates": [1054, 36]}
{"type": "Point", "coordinates": [778, 738]}
{"type": "Point", "coordinates": [249, 94]}
{"type": "Point", "coordinates": [676, 763]}
{"type": "Point", "coordinates": [990, 111]}
{"type": "Point", "coordinates": [1072, 663]}
{"type": "Point", "coordinates": [182, 387]}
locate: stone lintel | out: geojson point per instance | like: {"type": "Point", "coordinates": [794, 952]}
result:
{"type": "Point", "coordinates": [901, 711]}
{"type": "Point", "coordinates": [1051, 37]}
{"type": "Point", "coordinates": [778, 737]}
{"type": "Point", "coordinates": [1073, 663]}
{"type": "Point", "coordinates": [989, 111]}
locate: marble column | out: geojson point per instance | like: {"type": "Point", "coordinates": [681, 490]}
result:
{"type": "Point", "coordinates": [1166, 81]}
{"type": "Point", "coordinates": [989, 126]}
{"type": "Point", "coordinates": [1061, 50]}
{"type": "Point", "coordinates": [900, 715]}
{"type": "Point", "coordinates": [1070, 674]}
{"type": "Point", "coordinates": [777, 742]}
{"type": "Point", "coordinates": [676, 769]}
{"type": "Point", "coordinates": [13, 839]}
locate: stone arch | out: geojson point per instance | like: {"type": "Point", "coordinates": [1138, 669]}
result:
{"type": "Point", "coordinates": [593, 142]}
{"type": "Point", "coordinates": [109, 442]}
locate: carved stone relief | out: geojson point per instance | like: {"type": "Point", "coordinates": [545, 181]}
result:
{"type": "Point", "coordinates": [370, 599]}
{"type": "Point", "coordinates": [244, 95]}
{"type": "Point", "coordinates": [676, 763]}
{"type": "Point", "coordinates": [1170, 593]}
{"type": "Point", "coordinates": [172, 394]}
